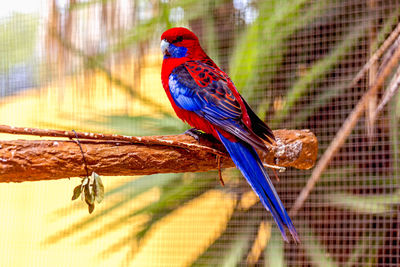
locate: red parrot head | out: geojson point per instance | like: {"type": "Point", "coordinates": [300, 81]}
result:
{"type": "Point", "coordinates": [181, 43]}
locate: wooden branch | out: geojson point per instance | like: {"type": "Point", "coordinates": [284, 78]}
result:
{"type": "Point", "coordinates": [146, 140]}
{"type": "Point", "coordinates": [27, 160]}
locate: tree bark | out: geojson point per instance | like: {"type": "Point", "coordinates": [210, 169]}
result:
{"type": "Point", "coordinates": [27, 160]}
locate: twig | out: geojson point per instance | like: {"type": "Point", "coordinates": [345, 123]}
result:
{"type": "Point", "coordinates": [391, 90]}
{"type": "Point", "coordinates": [373, 70]}
{"type": "Point", "coordinates": [83, 154]}
{"type": "Point", "coordinates": [276, 176]}
{"type": "Point", "coordinates": [374, 58]}
{"type": "Point", "coordinates": [348, 125]}
{"type": "Point", "coordinates": [219, 170]}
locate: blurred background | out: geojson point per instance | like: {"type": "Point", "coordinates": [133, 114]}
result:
{"type": "Point", "coordinates": [95, 66]}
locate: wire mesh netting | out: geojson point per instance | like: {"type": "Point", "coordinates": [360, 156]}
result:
{"type": "Point", "coordinates": [95, 66]}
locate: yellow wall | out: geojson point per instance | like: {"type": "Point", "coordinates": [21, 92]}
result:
{"type": "Point", "coordinates": [33, 212]}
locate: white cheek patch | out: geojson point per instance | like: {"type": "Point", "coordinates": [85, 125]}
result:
{"type": "Point", "coordinates": [164, 46]}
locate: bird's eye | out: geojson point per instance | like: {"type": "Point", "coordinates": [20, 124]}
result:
{"type": "Point", "coordinates": [178, 39]}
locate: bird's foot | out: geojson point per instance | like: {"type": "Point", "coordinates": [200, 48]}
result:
{"type": "Point", "coordinates": [193, 132]}
{"type": "Point", "coordinates": [197, 134]}
{"type": "Point", "coordinates": [274, 167]}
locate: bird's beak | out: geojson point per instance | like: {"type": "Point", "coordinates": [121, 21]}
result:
{"type": "Point", "coordinates": [164, 46]}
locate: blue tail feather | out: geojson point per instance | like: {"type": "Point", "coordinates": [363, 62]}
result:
{"type": "Point", "coordinates": [248, 162]}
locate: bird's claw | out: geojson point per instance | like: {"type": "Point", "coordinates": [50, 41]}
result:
{"type": "Point", "coordinates": [197, 134]}
{"type": "Point", "coordinates": [193, 132]}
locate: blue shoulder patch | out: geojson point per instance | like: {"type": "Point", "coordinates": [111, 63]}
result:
{"type": "Point", "coordinates": [183, 96]}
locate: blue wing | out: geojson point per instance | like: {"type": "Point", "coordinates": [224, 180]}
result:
{"type": "Point", "coordinates": [210, 98]}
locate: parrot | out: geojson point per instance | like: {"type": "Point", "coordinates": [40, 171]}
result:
{"type": "Point", "coordinates": [204, 96]}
